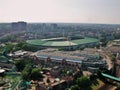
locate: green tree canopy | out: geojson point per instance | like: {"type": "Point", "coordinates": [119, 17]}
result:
{"type": "Point", "coordinates": [112, 57]}
{"type": "Point", "coordinates": [27, 71]}
{"type": "Point", "coordinates": [83, 82]}
{"type": "Point", "coordinates": [75, 87]}
{"type": "Point", "coordinates": [35, 74]}
{"type": "Point", "coordinates": [22, 63]}
{"type": "Point", "coordinates": [48, 80]}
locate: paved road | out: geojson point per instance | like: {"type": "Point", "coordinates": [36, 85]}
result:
{"type": "Point", "coordinates": [109, 62]}
{"type": "Point", "coordinates": [107, 58]}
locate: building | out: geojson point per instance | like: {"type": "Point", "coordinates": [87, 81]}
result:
{"type": "Point", "coordinates": [19, 26]}
{"type": "Point", "coordinates": [2, 71]}
{"type": "Point", "coordinates": [82, 59]}
{"type": "Point", "coordinates": [58, 56]}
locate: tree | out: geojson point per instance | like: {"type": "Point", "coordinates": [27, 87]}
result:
{"type": "Point", "coordinates": [20, 65]}
{"type": "Point", "coordinates": [118, 87]}
{"type": "Point", "coordinates": [48, 80]}
{"type": "Point", "coordinates": [19, 46]}
{"type": "Point", "coordinates": [27, 71]}
{"type": "Point", "coordinates": [98, 46]}
{"type": "Point", "coordinates": [112, 57]}
{"type": "Point", "coordinates": [102, 38]}
{"type": "Point", "coordinates": [9, 47]}
{"type": "Point", "coordinates": [24, 75]}
{"type": "Point", "coordinates": [35, 74]}
{"type": "Point", "coordinates": [75, 87]}
{"type": "Point", "coordinates": [69, 73]}
{"type": "Point", "coordinates": [27, 47]}
{"type": "Point", "coordinates": [83, 82]}
{"type": "Point", "coordinates": [81, 47]}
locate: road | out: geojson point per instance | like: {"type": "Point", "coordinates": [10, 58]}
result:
{"type": "Point", "coordinates": [107, 59]}
{"type": "Point", "coordinates": [109, 62]}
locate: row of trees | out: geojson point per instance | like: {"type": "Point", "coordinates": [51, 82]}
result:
{"type": "Point", "coordinates": [82, 83]}
{"type": "Point", "coordinates": [26, 67]}
{"type": "Point", "coordinates": [27, 47]}
{"type": "Point", "coordinates": [105, 38]}
{"type": "Point", "coordinates": [9, 47]}
{"type": "Point", "coordinates": [9, 38]}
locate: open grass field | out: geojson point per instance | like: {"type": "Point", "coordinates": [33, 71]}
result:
{"type": "Point", "coordinates": [62, 43]}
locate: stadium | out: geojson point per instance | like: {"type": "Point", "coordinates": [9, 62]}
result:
{"type": "Point", "coordinates": [64, 42]}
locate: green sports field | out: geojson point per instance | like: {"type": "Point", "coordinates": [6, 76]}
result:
{"type": "Point", "coordinates": [55, 43]}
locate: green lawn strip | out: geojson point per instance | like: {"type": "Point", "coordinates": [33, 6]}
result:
{"type": "Point", "coordinates": [61, 43]}
{"type": "Point", "coordinates": [85, 40]}
{"type": "Point", "coordinates": [96, 86]}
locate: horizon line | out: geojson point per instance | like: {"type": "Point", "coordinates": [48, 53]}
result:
{"type": "Point", "coordinates": [61, 22]}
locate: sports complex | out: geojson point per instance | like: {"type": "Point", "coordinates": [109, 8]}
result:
{"type": "Point", "coordinates": [63, 42]}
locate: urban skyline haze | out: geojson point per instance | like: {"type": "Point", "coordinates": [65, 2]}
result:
{"type": "Point", "coordinates": [71, 11]}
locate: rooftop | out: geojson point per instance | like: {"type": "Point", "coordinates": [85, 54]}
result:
{"type": "Point", "coordinates": [74, 56]}
{"type": "Point", "coordinates": [2, 70]}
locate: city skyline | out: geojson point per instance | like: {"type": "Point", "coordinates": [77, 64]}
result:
{"type": "Point", "coordinates": [70, 11]}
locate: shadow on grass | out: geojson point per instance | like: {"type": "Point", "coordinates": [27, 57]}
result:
{"type": "Point", "coordinates": [95, 82]}
{"type": "Point", "coordinates": [88, 88]}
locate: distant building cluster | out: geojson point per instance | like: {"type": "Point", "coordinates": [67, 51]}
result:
{"type": "Point", "coordinates": [19, 26]}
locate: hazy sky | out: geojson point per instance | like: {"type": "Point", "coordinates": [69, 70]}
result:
{"type": "Point", "coordinates": [80, 11]}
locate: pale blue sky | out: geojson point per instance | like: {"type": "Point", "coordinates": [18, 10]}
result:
{"type": "Point", "coordinates": [79, 11]}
